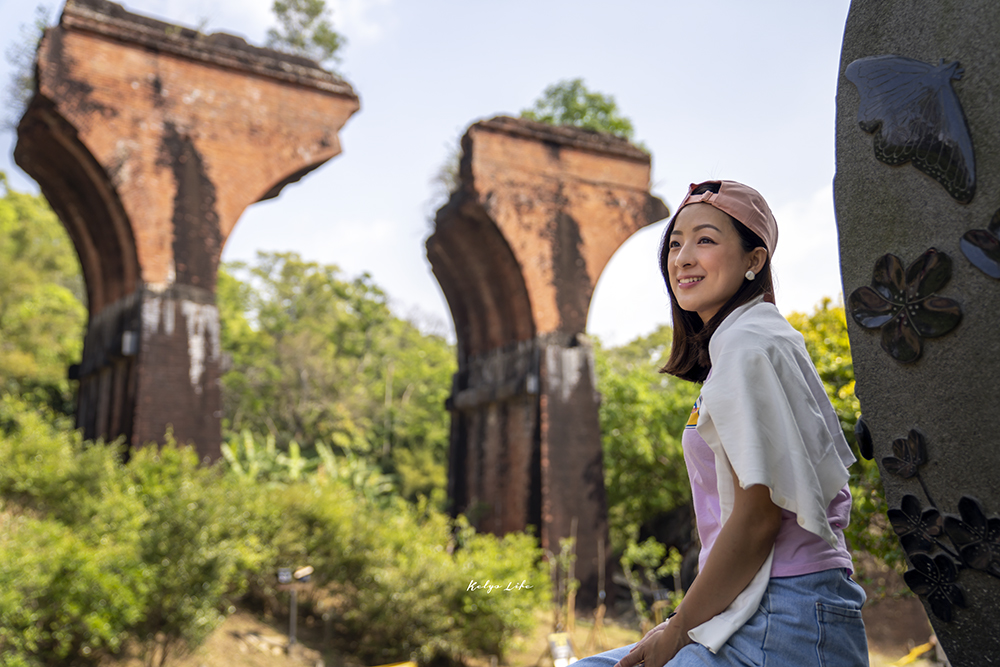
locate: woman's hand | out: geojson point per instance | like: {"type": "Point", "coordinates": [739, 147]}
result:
{"type": "Point", "coordinates": [740, 549]}
{"type": "Point", "coordinates": [658, 647]}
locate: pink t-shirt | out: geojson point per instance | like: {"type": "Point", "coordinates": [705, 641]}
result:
{"type": "Point", "coordinates": [796, 550]}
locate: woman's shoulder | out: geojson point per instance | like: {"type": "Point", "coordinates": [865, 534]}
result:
{"type": "Point", "coordinates": [756, 326]}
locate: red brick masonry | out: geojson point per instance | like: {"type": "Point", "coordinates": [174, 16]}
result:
{"type": "Point", "coordinates": [149, 140]}
{"type": "Point", "coordinates": [518, 250]}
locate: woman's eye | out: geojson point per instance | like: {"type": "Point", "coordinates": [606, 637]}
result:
{"type": "Point", "coordinates": [705, 239]}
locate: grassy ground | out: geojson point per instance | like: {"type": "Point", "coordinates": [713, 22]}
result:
{"type": "Point", "coordinates": [896, 624]}
{"type": "Point", "coordinates": [248, 641]}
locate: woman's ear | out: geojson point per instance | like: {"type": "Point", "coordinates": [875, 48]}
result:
{"type": "Point", "coordinates": [758, 256]}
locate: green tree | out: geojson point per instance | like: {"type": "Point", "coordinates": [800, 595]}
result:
{"type": "Point", "coordinates": [42, 316]}
{"type": "Point", "coordinates": [570, 102]}
{"type": "Point", "coordinates": [316, 358]}
{"type": "Point", "coordinates": [642, 417]}
{"type": "Point", "coordinates": [825, 334]}
{"type": "Point", "coordinates": [304, 29]}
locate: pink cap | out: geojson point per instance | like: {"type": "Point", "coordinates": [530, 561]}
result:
{"type": "Point", "coordinates": [741, 202]}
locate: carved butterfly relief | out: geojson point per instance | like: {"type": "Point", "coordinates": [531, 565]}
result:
{"type": "Point", "coordinates": [916, 116]}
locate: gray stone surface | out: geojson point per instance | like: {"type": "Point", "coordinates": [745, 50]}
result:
{"type": "Point", "coordinates": [951, 392]}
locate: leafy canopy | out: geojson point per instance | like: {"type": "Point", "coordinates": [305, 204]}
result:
{"type": "Point", "coordinates": [320, 359]}
{"type": "Point", "coordinates": [41, 311]}
{"type": "Point", "coordinates": [304, 29]}
{"type": "Point", "coordinates": [570, 102]}
{"type": "Point", "coordinates": [642, 416]}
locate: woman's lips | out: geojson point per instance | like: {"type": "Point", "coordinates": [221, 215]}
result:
{"type": "Point", "coordinates": [686, 285]}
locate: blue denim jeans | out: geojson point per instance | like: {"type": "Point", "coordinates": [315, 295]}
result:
{"type": "Point", "coordinates": [813, 619]}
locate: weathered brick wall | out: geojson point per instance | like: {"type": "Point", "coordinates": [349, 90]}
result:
{"type": "Point", "coordinates": [150, 140]}
{"type": "Point", "coordinates": [518, 251]}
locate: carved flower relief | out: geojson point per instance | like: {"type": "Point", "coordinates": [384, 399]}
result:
{"type": "Point", "coordinates": [909, 454]}
{"type": "Point", "coordinates": [917, 528]}
{"type": "Point", "coordinates": [934, 578]}
{"type": "Point", "coordinates": [904, 305]}
{"type": "Point", "coordinates": [982, 247]}
{"type": "Point", "coordinates": [976, 537]}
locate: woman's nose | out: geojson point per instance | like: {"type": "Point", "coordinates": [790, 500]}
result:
{"type": "Point", "coordinates": [684, 256]}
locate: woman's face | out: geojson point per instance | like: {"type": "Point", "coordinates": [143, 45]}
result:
{"type": "Point", "coordinates": [706, 262]}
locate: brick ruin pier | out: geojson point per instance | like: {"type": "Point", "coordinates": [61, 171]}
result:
{"type": "Point", "coordinates": [518, 250]}
{"type": "Point", "coordinates": [149, 140]}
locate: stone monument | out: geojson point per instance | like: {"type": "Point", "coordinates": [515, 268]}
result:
{"type": "Point", "coordinates": [917, 193]}
{"type": "Point", "coordinates": [149, 140]}
{"type": "Point", "coordinates": [518, 250]}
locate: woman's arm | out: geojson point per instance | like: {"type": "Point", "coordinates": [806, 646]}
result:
{"type": "Point", "coordinates": [742, 546]}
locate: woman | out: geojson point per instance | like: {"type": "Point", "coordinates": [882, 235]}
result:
{"type": "Point", "coordinates": [766, 458]}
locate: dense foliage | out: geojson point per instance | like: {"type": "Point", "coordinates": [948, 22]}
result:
{"type": "Point", "coordinates": [570, 102]}
{"type": "Point", "coordinates": [642, 417]}
{"type": "Point", "coordinates": [41, 311]}
{"type": "Point", "coordinates": [97, 556]}
{"type": "Point", "coordinates": [319, 359]}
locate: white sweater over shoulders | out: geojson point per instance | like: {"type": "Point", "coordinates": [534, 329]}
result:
{"type": "Point", "coordinates": [766, 417]}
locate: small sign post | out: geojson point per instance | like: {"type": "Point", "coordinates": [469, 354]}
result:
{"type": "Point", "coordinates": [290, 581]}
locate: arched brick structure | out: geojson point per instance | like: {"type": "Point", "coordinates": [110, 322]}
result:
{"type": "Point", "coordinates": [518, 250]}
{"type": "Point", "coordinates": [149, 140]}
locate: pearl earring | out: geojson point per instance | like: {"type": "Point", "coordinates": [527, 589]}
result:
{"type": "Point", "coordinates": [750, 275]}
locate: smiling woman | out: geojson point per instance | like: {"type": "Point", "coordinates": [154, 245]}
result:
{"type": "Point", "coordinates": [705, 260]}
{"type": "Point", "coordinates": [721, 262]}
{"type": "Point", "coordinates": [765, 454]}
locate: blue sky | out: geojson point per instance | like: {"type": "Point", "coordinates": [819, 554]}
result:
{"type": "Point", "coordinates": [744, 91]}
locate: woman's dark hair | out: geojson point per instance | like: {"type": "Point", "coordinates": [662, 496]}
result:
{"type": "Point", "coordinates": [689, 358]}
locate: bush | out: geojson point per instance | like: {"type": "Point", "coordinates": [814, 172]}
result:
{"type": "Point", "coordinates": [197, 544]}
{"type": "Point", "coordinates": [395, 576]}
{"type": "Point", "coordinates": [103, 551]}
{"type": "Point", "coordinates": [71, 576]}
{"type": "Point", "coordinates": [490, 621]}
{"type": "Point", "coordinates": [95, 554]}
{"type": "Point", "coordinates": [64, 600]}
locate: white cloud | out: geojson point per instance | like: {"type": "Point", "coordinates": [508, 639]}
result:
{"type": "Point", "coordinates": [807, 263]}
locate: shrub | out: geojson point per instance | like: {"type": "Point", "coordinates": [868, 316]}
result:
{"type": "Point", "coordinates": [174, 534]}
{"type": "Point", "coordinates": [396, 576]}
{"type": "Point", "coordinates": [197, 545]}
{"type": "Point", "coordinates": [71, 577]}
{"type": "Point", "coordinates": [64, 600]}
{"type": "Point", "coordinates": [95, 553]}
